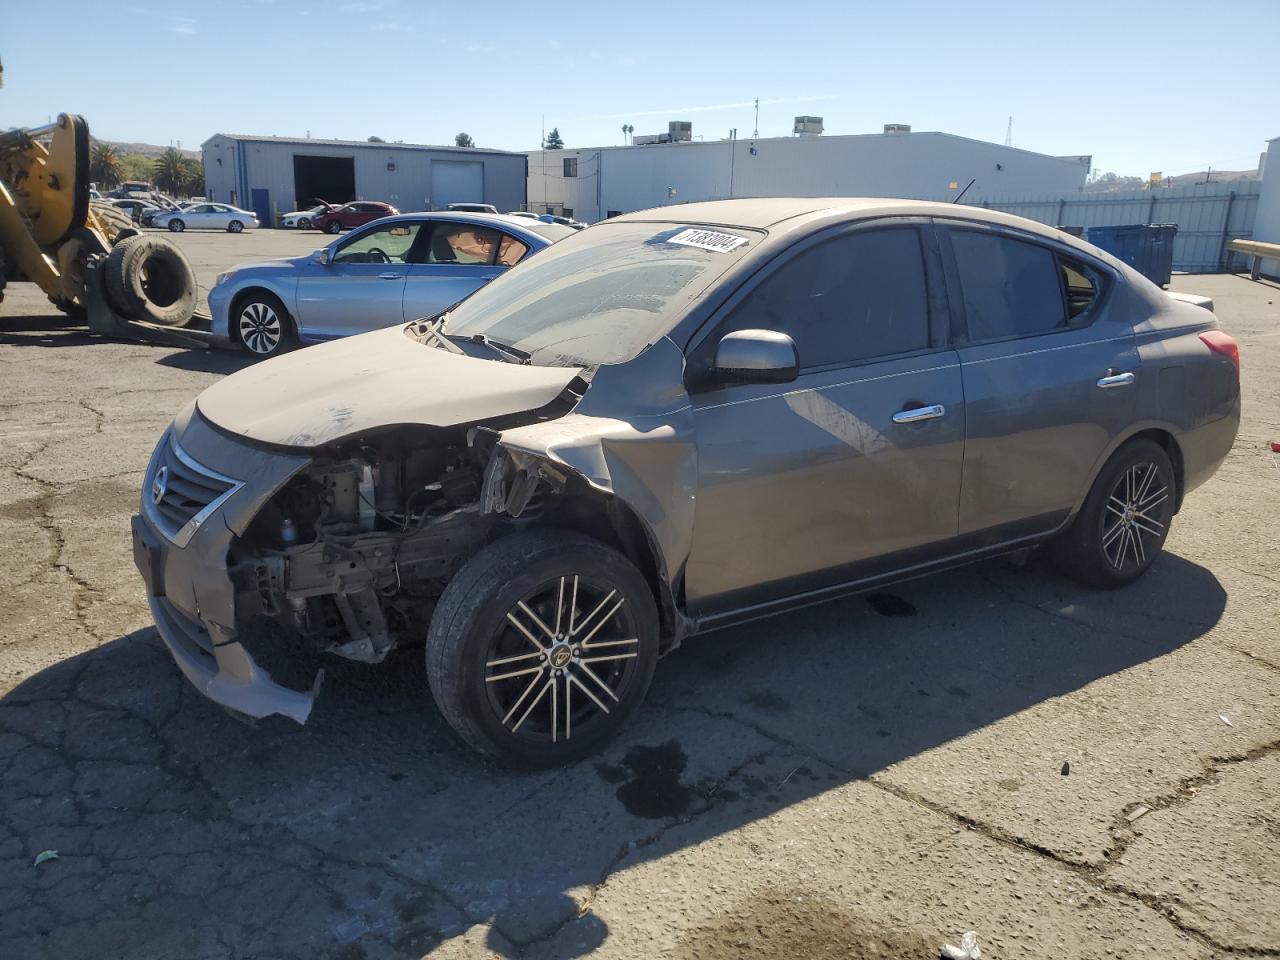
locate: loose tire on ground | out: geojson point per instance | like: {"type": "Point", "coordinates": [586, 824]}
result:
{"type": "Point", "coordinates": [148, 278]}
{"type": "Point", "coordinates": [472, 638]}
{"type": "Point", "coordinates": [1125, 520]}
{"type": "Point", "coordinates": [113, 220]}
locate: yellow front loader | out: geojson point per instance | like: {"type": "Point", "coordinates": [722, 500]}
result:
{"type": "Point", "coordinates": [85, 255]}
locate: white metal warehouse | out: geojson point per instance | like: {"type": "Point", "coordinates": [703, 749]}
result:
{"type": "Point", "coordinates": [591, 184]}
{"type": "Point", "coordinates": [272, 175]}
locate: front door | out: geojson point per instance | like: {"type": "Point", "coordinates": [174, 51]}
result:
{"type": "Point", "coordinates": [1050, 380]}
{"type": "Point", "coordinates": [362, 287]}
{"type": "Point", "coordinates": [459, 259]}
{"type": "Point", "coordinates": [852, 469]}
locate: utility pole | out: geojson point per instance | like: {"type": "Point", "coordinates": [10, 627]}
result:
{"type": "Point", "coordinates": [755, 134]}
{"type": "Point", "coordinates": [733, 152]}
{"type": "Point", "coordinates": [1008, 133]}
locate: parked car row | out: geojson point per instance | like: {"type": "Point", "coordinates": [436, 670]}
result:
{"type": "Point", "coordinates": [560, 478]}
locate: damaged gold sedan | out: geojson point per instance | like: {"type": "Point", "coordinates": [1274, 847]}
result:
{"type": "Point", "coordinates": [661, 426]}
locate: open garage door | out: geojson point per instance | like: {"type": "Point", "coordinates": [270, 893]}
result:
{"type": "Point", "coordinates": [456, 181]}
{"type": "Point", "coordinates": [324, 178]}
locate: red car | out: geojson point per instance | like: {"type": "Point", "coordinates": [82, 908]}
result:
{"type": "Point", "coordinates": [354, 214]}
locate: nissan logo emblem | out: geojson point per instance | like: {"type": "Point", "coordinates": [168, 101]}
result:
{"type": "Point", "coordinates": [160, 485]}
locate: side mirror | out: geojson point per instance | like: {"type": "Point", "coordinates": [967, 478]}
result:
{"type": "Point", "coordinates": [321, 256]}
{"type": "Point", "coordinates": [757, 356]}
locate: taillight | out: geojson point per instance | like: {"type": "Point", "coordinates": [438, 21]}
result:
{"type": "Point", "coordinates": [1223, 343]}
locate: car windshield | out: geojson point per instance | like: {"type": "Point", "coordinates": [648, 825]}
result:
{"type": "Point", "coordinates": [602, 295]}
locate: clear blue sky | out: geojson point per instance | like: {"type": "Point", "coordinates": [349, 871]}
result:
{"type": "Point", "coordinates": [1140, 85]}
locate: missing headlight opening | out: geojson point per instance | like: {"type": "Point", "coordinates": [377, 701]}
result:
{"type": "Point", "coordinates": [354, 551]}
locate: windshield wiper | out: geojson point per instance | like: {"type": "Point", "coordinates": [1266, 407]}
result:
{"type": "Point", "coordinates": [433, 330]}
{"type": "Point", "coordinates": [514, 354]}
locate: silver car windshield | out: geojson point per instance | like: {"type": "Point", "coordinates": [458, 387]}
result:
{"type": "Point", "coordinates": [603, 295]}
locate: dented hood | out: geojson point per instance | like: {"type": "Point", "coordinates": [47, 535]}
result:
{"type": "Point", "coordinates": [321, 394]}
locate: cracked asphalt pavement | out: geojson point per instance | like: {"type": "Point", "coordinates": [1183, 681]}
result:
{"type": "Point", "coordinates": [1070, 773]}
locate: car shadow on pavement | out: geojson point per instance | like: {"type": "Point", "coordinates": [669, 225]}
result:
{"type": "Point", "coordinates": [372, 832]}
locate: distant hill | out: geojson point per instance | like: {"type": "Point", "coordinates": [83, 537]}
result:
{"type": "Point", "coordinates": [1217, 176]}
{"type": "Point", "coordinates": [145, 149]}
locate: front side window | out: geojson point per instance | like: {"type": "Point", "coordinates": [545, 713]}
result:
{"type": "Point", "coordinates": [393, 244]}
{"type": "Point", "coordinates": [463, 243]}
{"type": "Point", "coordinates": [1011, 288]}
{"type": "Point", "coordinates": [850, 299]}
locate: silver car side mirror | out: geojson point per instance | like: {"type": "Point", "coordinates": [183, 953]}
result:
{"type": "Point", "coordinates": [321, 256]}
{"type": "Point", "coordinates": [757, 356]}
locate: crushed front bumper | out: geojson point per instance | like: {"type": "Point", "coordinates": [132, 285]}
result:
{"type": "Point", "coordinates": [190, 593]}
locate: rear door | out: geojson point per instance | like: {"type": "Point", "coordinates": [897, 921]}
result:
{"type": "Point", "coordinates": [1050, 377]}
{"type": "Point", "coordinates": [854, 468]}
{"type": "Point", "coordinates": [459, 259]}
{"type": "Point", "coordinates": [362, 287]}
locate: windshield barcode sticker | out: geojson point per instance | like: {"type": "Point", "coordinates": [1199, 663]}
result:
{"type": "Point", "coordinates": [708, 240]}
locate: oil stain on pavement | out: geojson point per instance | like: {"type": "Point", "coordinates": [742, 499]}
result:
{"type": "Point", "coordinates": [652, 790]}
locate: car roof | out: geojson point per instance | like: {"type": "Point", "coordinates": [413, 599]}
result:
{"type": "Point", "coordinates": [762, 213]}
{"type": "Point", "coordinates": [501, 221]}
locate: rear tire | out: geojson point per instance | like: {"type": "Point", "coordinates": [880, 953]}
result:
{"type": "Point", "coordinates": [176, 226]}
{"type": "Point", "coordinates": [148, 278]}
{"type": "Point", "coordinates": [333, 226]}
{"type": "Point", "coordinates": [1125, 519]}
{"type": "Point", "coordinates": [235, 226]}
{"type": "Point", "coordinates": [554, 684]}
{"type": "Point", "coordinates": [262, 326]}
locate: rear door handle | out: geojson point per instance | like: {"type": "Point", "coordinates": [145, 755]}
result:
{"type": "Point", "coordinates": [1115, 380]}
{"type": "Point", "coordinates": [916, 414]}
{"type": "Point", "coordinates": [390, 276]}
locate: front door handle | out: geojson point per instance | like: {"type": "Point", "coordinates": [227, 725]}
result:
{"type": "Point", "coordinates": [916, 414]}
{"type": "Point", "coordinates": [1113, 379]}
{"type": "Point", "coordinates": [390, 276]}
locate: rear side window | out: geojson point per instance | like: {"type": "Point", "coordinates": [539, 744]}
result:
{"type": "Point", "coordinates": [1011, 288]}
{"type": "Point", "coordinates": [854, 298]}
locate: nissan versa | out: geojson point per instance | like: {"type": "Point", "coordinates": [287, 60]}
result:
{"type": "Point", "coordinates": [677, 420]}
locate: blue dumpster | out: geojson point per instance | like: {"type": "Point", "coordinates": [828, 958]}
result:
{"type": "Point", "coordinates": [1148, 248]}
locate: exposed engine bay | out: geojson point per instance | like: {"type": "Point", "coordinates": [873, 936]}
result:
{"type": "Point", "coordinates": [353, 552]}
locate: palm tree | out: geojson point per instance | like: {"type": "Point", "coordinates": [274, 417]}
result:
{"type": "Point", "coordinates": [192, 177]}
{"type": "Point", "coordinates": [104, 166]}
{"type": "Point", "coordinates": [169, 172]}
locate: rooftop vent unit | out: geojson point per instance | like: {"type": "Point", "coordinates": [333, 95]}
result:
{"type": "Point", "coordinates": [807, 127]}
{"type": "Point", "coordinates": [897, 128]}
{"type": "Point", "coordinates": [678, 131]}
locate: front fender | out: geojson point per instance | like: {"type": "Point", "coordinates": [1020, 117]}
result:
{"type": "Point", "coordinates": [631, 437]}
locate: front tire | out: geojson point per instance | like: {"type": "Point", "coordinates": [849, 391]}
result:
{"type": "Point", "coordinates": [304, 224]}
{"type": "Point", "coordinates": [235, 226]}
{"type": "Point", "coordinates": [177, 226]}
{"type": "Point", "coordinates": [333, 226]}
{"type": "Point", "coordinates": [1125, 519]}
{"type": "Point", "coordinates": [262, 325]}
{"type": "Point", "coordinates": [542, 647]}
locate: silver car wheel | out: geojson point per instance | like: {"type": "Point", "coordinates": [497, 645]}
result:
{"type": "Point", "coordinates": [260, 328]}
{"type": "Point", "coordinates": [562, 660]}
{"type": "Point", "coordinates": [1136, 517]}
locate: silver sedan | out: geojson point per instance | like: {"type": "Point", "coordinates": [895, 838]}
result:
{"type": "Point", "coordinates": [207, 216]}
{"type": "Point", "coordinates": [392, 270]}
